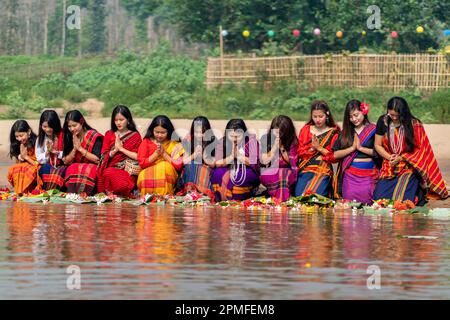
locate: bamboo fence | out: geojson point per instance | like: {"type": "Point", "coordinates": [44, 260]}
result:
{"type": "Point", "coordinates": [395, 71]}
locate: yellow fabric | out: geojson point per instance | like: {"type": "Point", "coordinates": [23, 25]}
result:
{"type": "Point", "coordinates": [24, 176]}
{"type": "Point", "coordinates": [161, 177]}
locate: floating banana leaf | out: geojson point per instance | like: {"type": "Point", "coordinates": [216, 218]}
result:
{"type": "Point", "coordinates": [32, 199]}
{"type": "Point", "coordinates": [313, 199]}
{"type": "Point", "coordinates": [418, 210]}
{"type": "Point", "coordinates": [439, 213]}
{"type": "Point", "coordinates": [370, 210]}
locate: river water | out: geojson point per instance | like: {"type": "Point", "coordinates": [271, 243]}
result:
{"type": "Point", "coordinates": [122, 251]}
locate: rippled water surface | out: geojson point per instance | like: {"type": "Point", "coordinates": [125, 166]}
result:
{"type": "Point", "coordinates": [127, 252]}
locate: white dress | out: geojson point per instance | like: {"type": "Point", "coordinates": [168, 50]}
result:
{"type": "Point", "coordinates": [41, 151]}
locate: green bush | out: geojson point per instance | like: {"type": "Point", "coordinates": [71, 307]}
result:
{"type": "Point", "coordinates": [16, 106]}
{"type": "Point", "coordinates": [51, 87]}
{"type": "Point", "coordinates": [37, 104]}
{"type": "Point", "coordinates": [5, 87]}
{"type": "Point", "coordinates": [174, 85]}
{"type": "Point", "coordinates": [297, 104]}
{"type": "Point", "coordinates": [438, 104]}
{"type": "Point", "coordinates": [73, 93]}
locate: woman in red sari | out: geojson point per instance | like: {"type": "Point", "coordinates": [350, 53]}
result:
{"type": "Point", "coordinates": [409, 170]}
{"type": "Point", "coordinates": [82, 151]}
{"type": "Point", "coordinates": [316, 140]}
{"type": "Point", "coordinates": [121, 144]}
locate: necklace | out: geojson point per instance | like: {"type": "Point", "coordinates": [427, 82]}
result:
{"type": "Point", "coordinates": [396, 142]}
{"type": "Point", "coordinates": [121, 134]}
{"type": "Point", "coordinates": [238, 173]}
{"type": "Point", "coordinates": [320, 131]}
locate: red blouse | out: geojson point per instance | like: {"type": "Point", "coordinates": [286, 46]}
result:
{"type": "Point", "coordinates": [146, 149]}
{"type": "Point", "coordinates": [305, 144]}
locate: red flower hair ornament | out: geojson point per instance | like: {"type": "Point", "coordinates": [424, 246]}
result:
{"type": "Point", "coordinates": [364, 108]}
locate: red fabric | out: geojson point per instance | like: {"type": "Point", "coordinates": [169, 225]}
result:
{"type": "Point", "coordinates": [88, 143]}
{"type": "Point", "coordinates": [60, 141]}
{"type": "Point", "coordinates": [131, 141]}
{"type": "Point", "coordinates": [389, 171]}
{"type": "Point", "coordinates": [117, 181]}
{"type": "Point", "coordinates": [82, 174]}
{"type": "Point", "coordinates": [146, 149]}
{"type": "Point", "coordinates": [59, 147]}
{"type": "Point", "coordinates": [81, 177]}
{"type": "Point", "coordinates": [363, 172]}
{"type": "Point", "coordinates": [422, 159]}
{"type": "Point", "coordinates": [305, 144]}
{"type": "Point", "coordinates": [111, 178]}
{"type": "Point", "coordinates": [177, 164]}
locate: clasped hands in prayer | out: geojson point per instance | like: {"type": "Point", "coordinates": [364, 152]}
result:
{"type": "Point", "coordinates": [23, 152]}
{"type": "Point", "coordinates": [395, 158]}
{"type": "Point", "coordinates": [50, 147]}
{"type": "Point", "coordinates": [118, 145]}
{"type": "Point", "coordinates": [237, 153]}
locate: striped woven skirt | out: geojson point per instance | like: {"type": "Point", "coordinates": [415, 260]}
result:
{"type": "Point", "coordinates": [197, 177]}
{"type": "Point", "coordinates": [158, 179]}
{"type": "Point", "coordinates": [81, 178]}
{"type": "Point", "coordinates": [52, 178]}
{"type": "Point", "coordinates": [279, 182]}
{"type": "Point", "coordinates": [404, 187]}
{"type": "Point", "coordinates": [225, 189]}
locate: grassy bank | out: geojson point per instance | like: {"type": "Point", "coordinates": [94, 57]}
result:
{"type": "Point", "coordinates": [174, 85]}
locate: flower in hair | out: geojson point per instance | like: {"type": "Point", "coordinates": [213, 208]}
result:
{"type": "Point", "coordinates": [365, 108]}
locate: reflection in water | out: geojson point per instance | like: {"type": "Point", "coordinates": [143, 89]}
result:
{"type": "Point", "coordinates": [169, 253]}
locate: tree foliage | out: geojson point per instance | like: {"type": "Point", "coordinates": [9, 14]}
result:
{"type": "Point", "coordinates": [199, 20]}
{"type": "Point", "coordinates": [25, 25]}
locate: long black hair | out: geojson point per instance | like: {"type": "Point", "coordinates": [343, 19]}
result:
{"type": "Point", "coordinates": [162, 121]}
{"type": "Point", "coordinates": [75, 116]}
{"type": "Point", "coordinates": [20, 126]}
{"type": "Point", "coordinates": [348, 128]}
{"type": "Point", "coordinates": [53, 121]}
{"type": "Point", "coordinates": [206, 126]}
{"type": "Point", "coordinates": [287, 132]}
{"type": "Point", "coordinates": [124, 111]}
{"type": "Point", "coordinates": [322, 106]}
{"type": "Point", "coordinates": [400, 106]}
{"type": "Point", "coordinates": [233, 124]}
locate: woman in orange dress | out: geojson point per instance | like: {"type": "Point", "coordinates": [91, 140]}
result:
{"type": "Point", "coordinates": [23, 175]}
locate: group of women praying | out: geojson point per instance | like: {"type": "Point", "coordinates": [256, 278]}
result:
{"type": "Point", "coordinates": [391, 159]}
